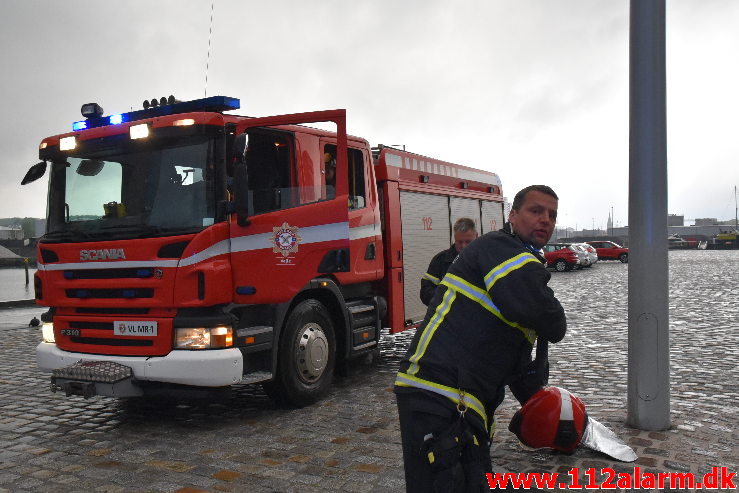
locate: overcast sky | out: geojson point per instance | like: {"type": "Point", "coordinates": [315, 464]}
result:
{"type": "Point", "coordinates": [534, 90]}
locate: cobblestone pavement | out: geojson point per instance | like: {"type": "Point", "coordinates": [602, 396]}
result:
{"type": "Point", "coordinates": [350, 441]}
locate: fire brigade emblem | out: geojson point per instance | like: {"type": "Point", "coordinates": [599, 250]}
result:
{"type": "Point", "coordinates": [122, 328]}
{"type": "Point", "coordinates": [285, 239]}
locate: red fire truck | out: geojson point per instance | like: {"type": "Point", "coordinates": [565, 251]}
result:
{"type": "Point", "coordinates": [189, 249]}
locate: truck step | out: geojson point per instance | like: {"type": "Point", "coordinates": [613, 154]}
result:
{"type": "Point", "coordinates": [93, 371]}
{"type": "Point", "coordinates": [355, 309]}
{"type": "Point", "coordinates": [256, 377]}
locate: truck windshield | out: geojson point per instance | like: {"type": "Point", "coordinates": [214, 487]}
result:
{"type": "Point", "coordinates": [132, 190]}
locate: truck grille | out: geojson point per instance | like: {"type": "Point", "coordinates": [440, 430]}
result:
{"type": "Point", "coordinates": [96, 335]}
{"type": "Point", "coordinates": [99, 341]}
{"type": "Point", "coordinates": [129, 293]}
{"type": "Point", "coordinates": [142, 273]}
{"type": "Point", "coordinates": [112, 311]}
{"type": "Point", "coordinates": [91, 325]}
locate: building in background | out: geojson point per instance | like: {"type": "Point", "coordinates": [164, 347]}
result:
{"type": "Point", "coordinates": [675, 220]}
{"type": "Point", "coordinates": [706, 221]}
{"type": "Point", "coordinates": [11, 233]}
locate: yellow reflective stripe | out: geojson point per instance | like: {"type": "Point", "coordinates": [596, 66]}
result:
{"type": "Point", "coordinates": [456, 283]}
{"type": "Point", "coordinates": [507, 267]}
{"type": "Point", "coordinates": [431, 278]}
{"type": "Point", "coordinates": [441, 310]}
{"type": "Point", "coordinates": [472, 402]}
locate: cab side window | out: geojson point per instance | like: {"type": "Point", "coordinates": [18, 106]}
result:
{"type": "Point", "coordinates": [357, 192]}
{"type": "Point", "coordinates": [357, 197]}
{"type": "Point", "coordinates": [270, 167]}
{"type": "Point", "coordinates": [328, 172]}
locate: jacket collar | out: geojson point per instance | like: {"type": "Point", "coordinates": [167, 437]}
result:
{"type": "Point", "coordinates": [531, 248]}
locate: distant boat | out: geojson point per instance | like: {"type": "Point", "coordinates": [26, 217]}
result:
{"type": "Point", "coordinates": [675, 242]}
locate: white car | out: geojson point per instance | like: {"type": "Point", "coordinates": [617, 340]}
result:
{"type": "Point", "coordinates": [591, 252]}
{"type": "Point", "coordinates": [582, 254]}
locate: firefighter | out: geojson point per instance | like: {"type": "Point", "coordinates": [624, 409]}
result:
{"type": "Point", "coordinates": [464, 233]}
{"type": "Point", "coordinates": [477, 337]}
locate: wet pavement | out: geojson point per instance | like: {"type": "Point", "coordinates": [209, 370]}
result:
{"type": "Point", "coordinates": [350, 441]}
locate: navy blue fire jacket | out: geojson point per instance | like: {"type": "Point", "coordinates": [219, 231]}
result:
{"type": "Point", "coordinates": [481, 324]}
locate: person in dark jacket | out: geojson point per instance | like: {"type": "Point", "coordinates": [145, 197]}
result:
{"type": "Point", "coordinates": [477, 337]}
{"type": "Point", "coordinates": [464, 233]}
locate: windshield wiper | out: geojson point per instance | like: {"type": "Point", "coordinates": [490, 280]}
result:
{"type": "Point", "coordinates": [144, 230]}
{"type": "Point", "coordinates": [66, 234]}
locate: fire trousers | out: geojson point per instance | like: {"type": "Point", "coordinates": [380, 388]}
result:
{"type": "Point", "coordinates": [442, 452]}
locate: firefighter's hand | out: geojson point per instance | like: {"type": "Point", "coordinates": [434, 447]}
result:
{"type": "Point", "coordinates": [535, 375]}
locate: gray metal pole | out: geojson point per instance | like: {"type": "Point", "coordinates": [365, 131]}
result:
{"type": "Point", "coordinates": [649, 357]}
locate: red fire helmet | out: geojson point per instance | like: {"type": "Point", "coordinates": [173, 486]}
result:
{"type": "Point", "coordinates": [551, 418]}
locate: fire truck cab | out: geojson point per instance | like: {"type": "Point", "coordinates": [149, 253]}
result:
{"type": "Point", "coordinates": [188, 250]}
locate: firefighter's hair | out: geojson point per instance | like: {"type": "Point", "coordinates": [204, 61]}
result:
{"type": "Point", "coordinates": [464, 224]}
{"type": "Point", "coordinates": [521, 195]}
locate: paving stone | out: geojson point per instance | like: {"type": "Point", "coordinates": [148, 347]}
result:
{"type": "Point", "coordinates": [350, 441]}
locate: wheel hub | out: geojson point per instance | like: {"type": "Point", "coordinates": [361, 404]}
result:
{"type": "Point", "coordinates": [311, 352]}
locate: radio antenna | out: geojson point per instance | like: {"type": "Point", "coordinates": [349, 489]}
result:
{"type": "Point", "coordinates": [207, 60]}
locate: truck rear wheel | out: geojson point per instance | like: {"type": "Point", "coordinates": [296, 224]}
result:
{"type": "Point", "coordinates": [305, 365]}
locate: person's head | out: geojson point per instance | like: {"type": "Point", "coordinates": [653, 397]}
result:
{"type": "Point", "coordinates": [464, 233]}
{"type": "Point", "coordinates": [534, 214]}
{"type": "Point", "coordinates": [330, 165]}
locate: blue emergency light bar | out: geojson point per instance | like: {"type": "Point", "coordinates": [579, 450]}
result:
{"type": "Point", "coordinates": [213, 103]}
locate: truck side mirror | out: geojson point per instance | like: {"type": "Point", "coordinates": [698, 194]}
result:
{"type": "Point", "coordinates": [241, 179]}
{"type": "Point", "coordinates": [34, 173]}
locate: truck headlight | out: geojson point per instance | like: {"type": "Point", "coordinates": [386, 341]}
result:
{"type": "Point", "coordinates": [47, 332]}
{"type": "Point", "coordinates": [203, 337]}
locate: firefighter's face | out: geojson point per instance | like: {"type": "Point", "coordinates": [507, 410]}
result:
{"type": "Point", "coordinates": [534, 221]}
{"type": "Point", "coordinates": [461, 240]}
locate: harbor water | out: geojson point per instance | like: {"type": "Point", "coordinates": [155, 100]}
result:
{"type": "Point", "coordinates": [13, 284]}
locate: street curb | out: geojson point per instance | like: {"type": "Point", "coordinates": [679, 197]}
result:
{"type": "Point", "coordinates": [16, 303]}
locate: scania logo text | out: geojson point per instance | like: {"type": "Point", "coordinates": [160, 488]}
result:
{"type": "Point", "coordinates": [102, 254]}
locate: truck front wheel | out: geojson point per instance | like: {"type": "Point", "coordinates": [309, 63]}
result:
{"type": "Point", "coordinates": [305, 364]}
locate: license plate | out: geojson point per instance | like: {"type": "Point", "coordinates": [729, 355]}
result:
{"type": "Point", "coordinates": [135, 328]}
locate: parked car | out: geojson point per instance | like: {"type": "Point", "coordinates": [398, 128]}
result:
{"type": "Point", "coordinates": [608, 250]}
{"type": "Point", "coordinates": [582, 254]}
{"type": "Point", "coordinates": [561, 257]}
{"type": "Point", "coordinates": [590, 250]}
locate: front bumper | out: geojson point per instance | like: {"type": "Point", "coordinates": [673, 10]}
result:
{"type": "Point", "coordinates": [208, 368]}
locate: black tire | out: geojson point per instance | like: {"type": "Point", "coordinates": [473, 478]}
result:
{"type": "Point", "coordinates": [560, 265]}
{"type": "Point", "coordinates": [305, 365]}
{"type": "Point", "coordinates": [624, 258]}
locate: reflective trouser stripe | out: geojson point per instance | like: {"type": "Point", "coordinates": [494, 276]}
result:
{"type": "Point", "coordinates": [472, 402]}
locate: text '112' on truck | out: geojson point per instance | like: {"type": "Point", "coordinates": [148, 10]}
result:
{"type": "Point", "coordinates": [189, 250]}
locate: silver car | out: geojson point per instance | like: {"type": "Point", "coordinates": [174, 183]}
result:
{"type": "Point", "coordinates": [591, 253]}
{"type": "Point", "coordinates": [582, 254]}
